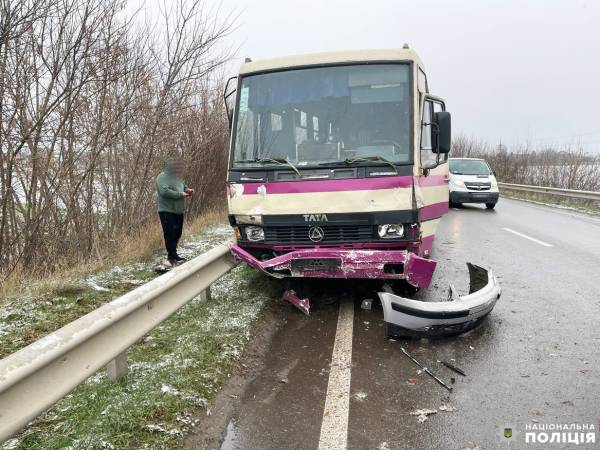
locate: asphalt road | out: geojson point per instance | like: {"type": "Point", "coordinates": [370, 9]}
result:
{"type": "Point", "coordinates": [533, 362]}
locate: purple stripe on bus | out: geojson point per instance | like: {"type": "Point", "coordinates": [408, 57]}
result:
{"type": "Point", "coordinates": [352, 184]}
{"type": "Point", "coordinates": [433, 211]}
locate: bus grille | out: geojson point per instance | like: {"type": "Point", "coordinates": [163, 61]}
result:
{"type": "Point", "coordinates": [331, 234]}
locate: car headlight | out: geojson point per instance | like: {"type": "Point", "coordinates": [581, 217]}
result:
{"type": "Point", "coordinates": [459, 182]}
{"type": "Point", "coordinates": [494, 184]}
{"type": "Point", "coordinates": [390, 231]}
{"type": "Point", "coordinates": [254, 233]}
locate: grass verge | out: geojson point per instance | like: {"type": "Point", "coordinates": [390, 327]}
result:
{"type": "Point", "coordinates": [44, 306]}
{"type": "Point", "coordinates": [141, 245]}
{"type": "Point", "coordinates": [174, 371]}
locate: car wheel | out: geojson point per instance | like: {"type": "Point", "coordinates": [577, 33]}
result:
{"type": "Point", "coordinates": [490, 205]}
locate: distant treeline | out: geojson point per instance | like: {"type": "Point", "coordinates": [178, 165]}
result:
{"type": "Point", "coordinates": [565, 167]}
{"type": "Point", "coordinates": [91, 104]}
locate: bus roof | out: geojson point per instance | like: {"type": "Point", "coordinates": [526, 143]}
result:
{"type": "Point", "coordinates": [341, 57]}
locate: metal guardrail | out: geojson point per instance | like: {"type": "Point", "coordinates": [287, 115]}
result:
{"type": "Point", "coordinates": [37, 376]}
{"type": "Point", "coordinates": [572, 193]}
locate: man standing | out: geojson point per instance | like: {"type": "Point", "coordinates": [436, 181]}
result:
{"type": "Point", "coordinates": [172, 192]}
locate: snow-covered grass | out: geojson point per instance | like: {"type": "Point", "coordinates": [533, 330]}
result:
{"type": "Point", "coordinates": [174, 371]}
{"type": "Point", "coordinates": [26, 318]}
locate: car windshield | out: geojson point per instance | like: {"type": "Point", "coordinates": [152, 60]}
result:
{"type": "Point", "coordinates": [469, 167]}
{"type": "Point", "coordinates": [324, 115]}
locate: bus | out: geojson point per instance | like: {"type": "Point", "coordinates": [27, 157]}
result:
{"type": "Point", "coordinates": [338, 165]}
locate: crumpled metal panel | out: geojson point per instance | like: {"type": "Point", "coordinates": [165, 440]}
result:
{"type": "Point", "coordinates": [407, 317]}
{"type": "Point", "coordinates": [349, 264]}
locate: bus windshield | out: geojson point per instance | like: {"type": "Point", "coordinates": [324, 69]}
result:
{"type": "Point", "coordinates": [324, 115]}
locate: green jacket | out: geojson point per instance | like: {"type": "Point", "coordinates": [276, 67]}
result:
{"type": "Point", "coordinates": [170, 189]}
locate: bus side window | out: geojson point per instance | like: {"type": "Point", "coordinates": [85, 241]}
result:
{"type": "Point", "coordinates": [426, 137]}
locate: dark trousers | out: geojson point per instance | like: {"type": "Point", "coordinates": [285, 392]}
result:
{"type": "Point", "coordinates": [172, 225]}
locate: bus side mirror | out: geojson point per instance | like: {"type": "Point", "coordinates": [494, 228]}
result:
{"type": "Point", "coordinates": [444, 133]}
{"type": "Point", "coordinates": [227, 94]}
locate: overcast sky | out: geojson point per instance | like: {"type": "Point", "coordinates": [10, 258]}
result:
{"type": "Point", "coordinates": [514, 70]}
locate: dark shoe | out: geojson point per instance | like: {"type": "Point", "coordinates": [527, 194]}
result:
{"type": "Point", "coordinates": [179, 259]}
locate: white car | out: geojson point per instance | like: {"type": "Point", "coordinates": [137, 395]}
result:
{"type": "Point", "coordinates": [472, 181]}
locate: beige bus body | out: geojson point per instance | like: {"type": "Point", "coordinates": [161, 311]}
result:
{"type": "Point", "coordinates": [306, 199]}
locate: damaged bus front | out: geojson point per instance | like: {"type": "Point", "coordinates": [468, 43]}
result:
{"type": "Point", "coordinates": [338, 166]}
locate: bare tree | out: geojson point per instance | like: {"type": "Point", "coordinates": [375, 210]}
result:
{"type": "Point", "coordinates": [90, 106]}
{"type": "Point", "coordinates": [564, 167]}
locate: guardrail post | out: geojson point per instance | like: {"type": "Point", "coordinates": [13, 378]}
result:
{"type": "Point", "coordinates": [205, 294]}
{"type": "Point", "coordinates": [117, 368]}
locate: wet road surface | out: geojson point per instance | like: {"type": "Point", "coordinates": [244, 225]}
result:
{"type": "Point", "coordinates": [534, 360]}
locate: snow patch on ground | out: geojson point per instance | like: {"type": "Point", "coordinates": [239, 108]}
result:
{"type": "Point", "coordinates": [26, 311]}
{"type": "Point", "coordinates": [164, 368]}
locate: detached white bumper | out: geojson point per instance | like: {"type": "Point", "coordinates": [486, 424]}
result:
{"type": "Point", "coordinates": [406, 317]}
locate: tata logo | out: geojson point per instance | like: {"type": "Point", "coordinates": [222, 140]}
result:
{"type": "Point", "coordinates": [316, 234]}
{"type": "Point", "coordinates": [315, 218]}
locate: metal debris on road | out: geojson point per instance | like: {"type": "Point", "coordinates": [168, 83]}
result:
{"type": "Point", "coordinates": [367, 304]}
{"type": "Point", "coordinates": [426, 370]}
{"type": "Point", "coordinates": [360, 396]}
{"type": "Point", "coordinates": [453, 367]}
{"type": "Point", "coordinates": [303, 304]}
{"type": "Point", "coordinates": [422, 414]}
{"type": "Point", "coordinates": [447, 408]}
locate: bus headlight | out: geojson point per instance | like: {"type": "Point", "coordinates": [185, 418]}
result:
{"type": "Point", "coordinates": [254, 233]}
{"type": "Point", "coordinates": [390, 231]}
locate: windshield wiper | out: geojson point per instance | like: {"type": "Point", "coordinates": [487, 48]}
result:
{"type": "Point", "coordinates": [278, 161]}
{"type": "Point", "coordinates": [376, 158]}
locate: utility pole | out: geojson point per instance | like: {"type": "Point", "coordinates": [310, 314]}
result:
{"type": "Point", "coordinates": [500, 146]}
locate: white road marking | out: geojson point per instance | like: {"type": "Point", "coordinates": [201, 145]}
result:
{"type": "Point", "coordinates": [334, 428]}
{"type": "Point", "coordinates": [537, 241]}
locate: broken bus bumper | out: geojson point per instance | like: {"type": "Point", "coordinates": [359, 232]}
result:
{"type": "Point", "coordinates": [345, 263]}
{"type": "Point", "coordinates": [407, 317]}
